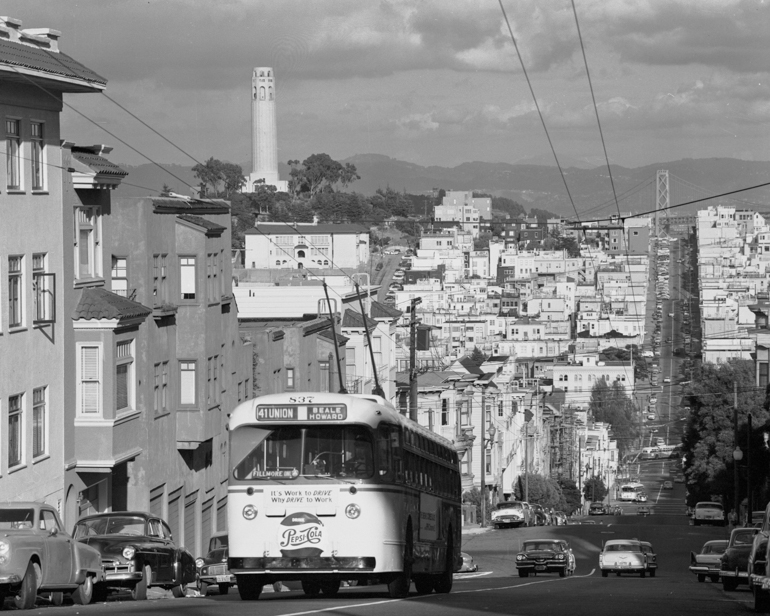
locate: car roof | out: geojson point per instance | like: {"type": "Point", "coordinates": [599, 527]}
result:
{"type": "Point", "coordinates": [616, 541]}
{"type": "Point", "coordinates": [141, 514]}
{"type": "Point", "coordinates": [723, 542]}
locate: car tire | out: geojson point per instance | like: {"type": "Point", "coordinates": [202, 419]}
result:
{"type": "Point", "coordinates": [729, 584]}
{"type": "Point", "coordinates": [84, 594]}
{"type": "Point", "coordinates": [224, 589]}
{"type": "Point", "coordinates": [25, 598]}
{"type": "Point", "coordinates": [139, 592]}
{"type": "Point", "coordinates": [203, 588]}
{"type": "Point", "coordinates": [714, 578]}
{"type": "Point", "coordinates": [605, 573]}
{"type": "Point", "coordinates": [563, 572]}
{"type": "Point", "coordinates": [523, 573]}
{"type": "Point", "coordinates": [642, 574]}
{"type": "Point", "coordinates": [761, 601]}
{"type": "Point", "coordinates": [701, 578]}
{"type": "Point", "coordinates": [179, 591]}
{"type": "Point", "coordinates": [652, 572]}
{"type": "Point", "coordinates": [56, 598]}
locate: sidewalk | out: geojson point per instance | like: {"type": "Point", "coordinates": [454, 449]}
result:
{"type": "Point", "coordinates": [474, 529]}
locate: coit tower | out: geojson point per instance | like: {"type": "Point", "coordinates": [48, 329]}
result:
{"type": "Point", "coordinates": [264, 143]}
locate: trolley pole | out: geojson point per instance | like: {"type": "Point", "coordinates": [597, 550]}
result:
{"type": "Point", "coordinates": [736, 476]}
{"type": "Point", "coordinates": [413, 414]}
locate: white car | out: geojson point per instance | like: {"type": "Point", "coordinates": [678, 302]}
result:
{"type": "Point", "coordinates": [622, 556]}
{"type": "Point", "coordinates": [708, 513]}
{"type": "Point", "coordinates": [651, 416]}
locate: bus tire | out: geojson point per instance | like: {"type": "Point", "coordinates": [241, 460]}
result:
{"type": "Point", "coordinates": [330, 589]}
{"type": "Point", "coordinates": [423, 584]}
{"type": "Point", "coordinates": [443, 581]}
{"type": "Point", "coordinates": [249, 586]}
{"type": "Point", "coordinates": [398, 587]}
{"type": "Point", "coordinates": [311, 589]}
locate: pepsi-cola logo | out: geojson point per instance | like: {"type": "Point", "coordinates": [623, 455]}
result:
{"type": "Point", "coordinates": [301, 534]}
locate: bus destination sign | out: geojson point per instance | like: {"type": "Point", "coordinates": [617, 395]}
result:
{"type": "Point", "coordinates": [302, 412]}
{"type": "Point", "coordinates": [336, 412]}
{"type": "Point", "coordinates": [277, 413]}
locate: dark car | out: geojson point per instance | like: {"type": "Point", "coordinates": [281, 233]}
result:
{"type": "Point", "coordinates": [651, 556]}
{"type": "Point", "coordinates": [734, 567]}
{"type": "Point", "coordinates": [545, 556]}
{"type": "Point", "coordinates": [212, 568]}
{"type": "Point", "coordinates": [137, 551]}
{"type": "Point", "coordinates": [597, 509]}
{"type": "Point", "coordinates": [541, 517]}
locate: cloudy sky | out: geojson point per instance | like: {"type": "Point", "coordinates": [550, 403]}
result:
{"type": "Point", "coordinates": [433, 82]}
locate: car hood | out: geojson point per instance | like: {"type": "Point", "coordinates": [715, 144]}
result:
{"type": "Point", "coordinates": [113, 544]}
{"type": "Point", "coordinates": [215, 557]}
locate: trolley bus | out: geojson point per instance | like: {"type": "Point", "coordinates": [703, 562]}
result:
{"type": "Point", "coordinates": [326, 487]}
{"type": "Point", "coordinates": [629, 492]}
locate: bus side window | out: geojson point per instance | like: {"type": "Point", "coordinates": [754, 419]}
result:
{"type": "Point", "coordinates": [384, 455]}
{"type": "Point", "coordinates": [396, 451]}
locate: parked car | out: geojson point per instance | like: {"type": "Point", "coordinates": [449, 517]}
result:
{"type": "Point", "coordinates": [709, 513]}
{"type": "Point", "coordinates": [707, 562]}
{"type": "Point", "coordinates": [559, 518]}
{"type": "Point", "coordinates": [641, 497]}
{"type": "Point", "coordinates": [734, 563]}
{"type": "Point", "coordinates": [510, 513]}
{"type": "Point", "coordinates": [643, 510]}
{"type": "Point", "coordinates": [668, 485]}
{"type": "Point", "coordinates": [138, 552]}
{"type": "Point", "coordinates": [597, 509]}
{"type": "Point", "coordinates": [545, 556]}
{"type": "Point", "coordinates": [622, 556]}
{"type": "Point", "coordinates": [212, 568]}
{"type": "Point", "coordinates": [38, 557]}
{"type": "Point", "coordinates": [468, 564]}
{"type": "Point", "coordinates": [652, 557]}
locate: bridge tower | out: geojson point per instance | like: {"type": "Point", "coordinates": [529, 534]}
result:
{"type": "Point", "coordinates": [662, 200]}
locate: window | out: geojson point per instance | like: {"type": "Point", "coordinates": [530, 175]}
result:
{"type": "Point", "coordinates": [160, 388]}
{"type": "Point", "coordinates": [444, 412]}
{"type": "Point", "coordinates": [120, 276]}
{"type": "Point", "coordinates": [39, 421]}
{"type": "Point", "coordinates": [323, 376]}
{"type": "Point", "coordinates": [36, 159]}
{"type": "Point", "coordinates": [289, 378]}
{"type": "Point", "coordinates": [124, 375]}
{"type": "Point", "coordinates": [89, 379]}
{"type": "Point", "coordinates": [763, 374]}
{"type": "Point", "coordinates": [87, 242]}
{"type": "Point", "coordinates": [187, 277]}
{"type": "Point", "coordinates": [43, 290]}
{"type": "Point", "coordinates": [15, 294]}
{"type": "Point", "coordinates": [212, 376]}
{"type": "Point", "coordinates": [13, 154]}
{"type": "Point", "coordinates": [15, 427]}
{"type": "Point", "coordinates": [212, 275]}
{"type": "Point", "coordinates": [187, 382]}
{"type": "Point", "coordinates": [159, 281]}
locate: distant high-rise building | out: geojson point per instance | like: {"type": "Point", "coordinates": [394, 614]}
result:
{"type": "Point", "coordinates": [264, 142]}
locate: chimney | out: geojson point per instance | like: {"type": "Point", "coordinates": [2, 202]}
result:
{"type": "Point", "coordinates": [46, 37]}
{"type": "Point", "coordinates": [9, 28]}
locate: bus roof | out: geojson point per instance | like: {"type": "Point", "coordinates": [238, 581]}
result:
{"type": "Point", "coordinates": [361, 409]}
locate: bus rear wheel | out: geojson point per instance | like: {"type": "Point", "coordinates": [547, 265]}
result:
{"type": "Point", "coordinates": [311, 589]}
{"type": "Point", "coordinates": [399, 586]}
{"type": "Point", "coordinates": [423, 584]}
{"type": "Point", "coordinates": [443, 581]}
{"type": "Point", "coordinates": [249, 586]}
{"type": "Point", "coordinates": [330, 589]}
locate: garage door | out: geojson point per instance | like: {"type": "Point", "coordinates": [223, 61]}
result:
{"type": "Point", "coordinates": [173, 513]}
{"type": "Point", "coordinates": [189, 522]}
{"type": "Point", "coordinates": [222, 514]}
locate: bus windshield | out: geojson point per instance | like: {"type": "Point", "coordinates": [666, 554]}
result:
{"type": "Point", "coordinates": [288, 452]}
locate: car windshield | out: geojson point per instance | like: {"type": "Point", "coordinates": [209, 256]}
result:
{"type": "Point", "coordinates": [708, 506]}
{"type": "Point", "coordinates": [217, 543]}
{"type": "Point", "coordinates": [715, 548]}
{"type": "Point", "coordinates": [11, 519]}
{"type": "Point", "coordinates": [508, 505]}
{"type": "Point", "coordinates": [110, 525]}
{"type": "Point", "coordinates": [542, 545]}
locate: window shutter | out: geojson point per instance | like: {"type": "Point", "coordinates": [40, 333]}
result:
{"type": "Point", "coordinates": [89, 379]}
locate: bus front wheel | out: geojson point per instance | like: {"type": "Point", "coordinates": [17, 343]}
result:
{"type": "Point", "coordinates": [443, 581]}
{"type": "Point", "coordinates": [311, 589]}
{"type": "Point", "coordinates": [399, 586]}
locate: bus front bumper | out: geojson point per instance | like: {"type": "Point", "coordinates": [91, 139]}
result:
{"type": "Point", "coordinates": [269, 564]}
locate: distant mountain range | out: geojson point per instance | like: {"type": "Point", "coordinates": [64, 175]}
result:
{"type": "Point", "coordinates": [533, 185]}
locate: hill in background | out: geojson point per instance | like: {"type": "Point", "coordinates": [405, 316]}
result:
{"type": "Point", "coordinates": [533, 185]}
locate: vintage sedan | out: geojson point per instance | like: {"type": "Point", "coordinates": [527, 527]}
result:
{"type": "Point", "coordinates": [623, 556]}
{"type": "Point", "coordinates": [469, 566]}
{"type": "Point", "coordinates": [734, 567]}
{"type": "Point", "coordinates": [709, 513]}
{"type": "Point", "coordinates": [545, 556]}
{"type": "Point", "coordinates": [38, 557]}
{"type": "Point", "coordinates": [137, 552]}
{"type": "Point", "coordinates": [212, 568]}
{"type": "Point", "coordinates": [652, 557]}
{"type": "Point", "coordinates": [510, 513]}
{"type": "Point", "coordinates": [707, 563]}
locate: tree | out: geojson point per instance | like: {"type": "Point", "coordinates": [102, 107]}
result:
{"type": "Point", "coordinates": [392, 203]}
{"type": "Point", "coordinates": [541, 490]}
{"type": "Point", "coordinates": [594, 489]}
{"type": "Point", "coordinates": [232, 178]}
{"type": "Point", "coordinates": [610, 404]}
{"type": "Point", "coordinates": [541, 215]}
{"type": "Point", "coordinates": [209, 173]}
{"type": "Point", "coordinates": [477, 356]}
{"type": "Point", "coordinates": [709, 440]}
{"type": "Point", "coordinates": [320, 172]}
{"type": "Point", "coordinates": [215, 173]}
{"type": "Point", "coordinates": [571, 492]}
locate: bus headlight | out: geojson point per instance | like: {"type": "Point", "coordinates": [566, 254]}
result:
{"type": "Point", "coordinates": [249, 512]}
{"type": "Point", "coordinates": [352, 511]}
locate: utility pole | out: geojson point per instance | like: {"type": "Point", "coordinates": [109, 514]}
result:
{"type": "Point", "coordinates": [736, 478]}
{"type": "Point", "coordinates": [749, 504]}
{"type": "Point", "coordinates": [483, 473]}
{"type": "Point", "coordinates": [413, 360]}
